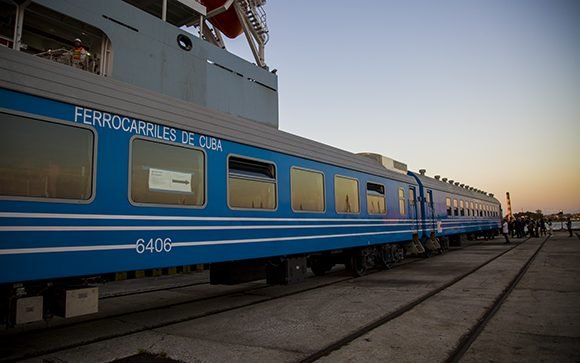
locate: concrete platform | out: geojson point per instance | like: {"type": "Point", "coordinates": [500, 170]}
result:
{"type": "Point", "coordinates": [540, 321]}
{"type": "Point", "coordinates": [292, 327]}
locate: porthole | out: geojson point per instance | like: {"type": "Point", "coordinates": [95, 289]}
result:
{"type": "Point", "coordinates": [184, 42]}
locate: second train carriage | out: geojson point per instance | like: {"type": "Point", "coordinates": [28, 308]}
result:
{"type": "Point", "coordinates": [101, 176]}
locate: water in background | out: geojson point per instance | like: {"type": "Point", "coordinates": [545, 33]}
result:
{"type": "Point", "coordinates": [556, 226]}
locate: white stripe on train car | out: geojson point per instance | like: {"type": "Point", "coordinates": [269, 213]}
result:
{"type": "Point", "coordinates": [15, 251]}
{"type": "Point", "coordinates": [184, 218]}
{"type": "Point", "coordinates": [183, 228]}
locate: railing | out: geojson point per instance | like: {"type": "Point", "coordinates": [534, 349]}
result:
{"type": "Point", "coordinates": [65, 56]}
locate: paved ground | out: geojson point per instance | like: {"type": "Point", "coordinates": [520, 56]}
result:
{"type": "Point", "coordinates": [540, 322]}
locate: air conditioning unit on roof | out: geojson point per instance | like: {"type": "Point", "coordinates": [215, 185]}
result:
{"type": "Point", "coordinates": [386, 162]}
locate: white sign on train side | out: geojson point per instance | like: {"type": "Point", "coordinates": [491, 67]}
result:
{"type": "Point", "coordinates": [112, 121]}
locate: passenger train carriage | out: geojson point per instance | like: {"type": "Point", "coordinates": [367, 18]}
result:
{"type": "Point", "coordinates": [103, 171]}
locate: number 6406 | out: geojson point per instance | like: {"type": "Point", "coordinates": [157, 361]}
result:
{"type": "Point", "coordinates": [154, 245]}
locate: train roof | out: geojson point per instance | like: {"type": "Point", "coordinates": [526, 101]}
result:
{"type": "Point", "coordinates": [433, 183]}
{"type": "Point", "coordinates": [51, 80]}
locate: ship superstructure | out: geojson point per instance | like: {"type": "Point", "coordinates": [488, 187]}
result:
{"type": "Point", "coordinates": [144, 43]}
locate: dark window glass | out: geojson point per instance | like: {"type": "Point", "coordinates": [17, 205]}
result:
{"type": "Point", "coordinates": [251, 184]}
{"type": "Point", "coordinates": [346, 195]}
{"type": "Point", "coordinates": [448, 204]}
{"type": "Point", "coordinates": [8, 16]}
{"type": "Point", "coordinates": [376, 199]}
{"type": "Point", "coordinates": [307, 190]}
{"type": "Point", "coordinates": [40, 159]}
{"type": "Point", "coordinates": [167, 174]}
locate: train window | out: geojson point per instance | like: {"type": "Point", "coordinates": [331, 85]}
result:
{"type": "Point", "coordinates": [412, 197]}
{"type": "Point", "coordinates": [455, 208]}
{"type": "Point", "coordinates": [307, 190]}
{"type": "Point", "coordinates": [472, 209]}
{"type": "Point", "coordinates": [346, 195]}
{"type": "Point", "coordinates": [402, 201]}
{"type": "Point", "coordinates": [251, 184]}
{"type": "Point", "coordinates": [166, 174]}
{"type": "Point", "coordinates": [448, 204]}
{"type": "Point", "coordinates": [430, 198]}
{"type": "Point", "coordinates": [461, 208]}
{"type": "Point", "coordinates": [41, 159]}
{"type": "Point", "coordinates": [376, 199]}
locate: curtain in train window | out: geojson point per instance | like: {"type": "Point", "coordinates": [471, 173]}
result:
{"type": "Point", "coordinates": [167, 174]}
{"type": "Point", "coordinates": [40, 159]}
{"type": "Point", "coordinates": [307, 190]}
{"type": "Point", "coordinates": [346, 195]}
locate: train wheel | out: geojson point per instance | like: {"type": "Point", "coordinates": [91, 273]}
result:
{"type": "Point", "coordinates": [320, 265]}
{"type": "Point", "coordinates": [396, 253]}
{"type": "Point", "coordinates": [359, 262]}
{"type": "Point", "coordinates": [386, 256]}
{"type": "Point", "coordinates": [357, 266]}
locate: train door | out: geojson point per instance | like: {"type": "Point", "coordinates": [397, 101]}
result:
{"type": "Point", "coordinates": [413, 215]}
{"type": "Point", "coordinates": [430, 208]}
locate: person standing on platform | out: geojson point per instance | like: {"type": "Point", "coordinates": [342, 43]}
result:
{"type": "Point", "coordinates": [542, 227]}
{"type": "Point", "coordinates": [505, 230]}
{"type": "Point", "coordinates": [519, 227]}
{"type": "Point", "coordinates": [569, 226]}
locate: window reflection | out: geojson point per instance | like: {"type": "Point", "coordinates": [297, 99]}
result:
{"type": "Point", "coordinates": [307, 190]}
{"type": "Point", "coordinates": [251, 184]}
{"type": "Point", "coordinates": [346, 195]}
{"type": "Point", "coordinates": [376, 199]}
{"type": "Point", "coordinates": [402, 203]}
{"type": "Point", "coordinates": [45, 160]}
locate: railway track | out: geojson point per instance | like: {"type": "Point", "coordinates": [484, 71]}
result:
{"type": "Point", "coordinates": [325, 354]}
{"type": "Point", "coordinates": [472, 335]}
{"type": "Point", "coordinates": [75, 341]}
{"type": "Point", "coordinates": [245, 297]}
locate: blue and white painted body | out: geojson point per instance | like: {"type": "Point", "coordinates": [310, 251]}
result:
{"type": "Point", "coordinates": [436, 219]}
{"type": "Point", "coordinates": [43, 239]}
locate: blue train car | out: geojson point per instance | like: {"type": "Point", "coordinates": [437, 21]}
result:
{"type": "Point", "coordinates": [103, 172]}
{"type": "Point", "coordinates": [449, 208]}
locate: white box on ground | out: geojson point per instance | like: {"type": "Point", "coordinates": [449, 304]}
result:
{"type": "Point", "coordinates": [81, 301]}
{"type": "Point", "coordinates": [28, 309]}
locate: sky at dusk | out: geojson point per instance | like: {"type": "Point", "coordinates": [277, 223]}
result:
{"type": "Point", "coordinates": [485, 92]}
